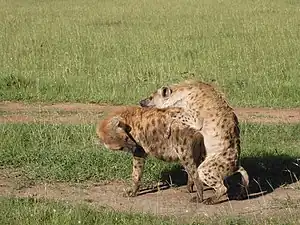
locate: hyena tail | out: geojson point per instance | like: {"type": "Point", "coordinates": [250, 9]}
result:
{"type": "Point", "coordinates": [245, 183]}
{"type": "Point", "coordinates": [245, 176]}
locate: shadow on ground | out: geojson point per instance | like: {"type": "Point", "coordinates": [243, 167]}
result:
{"type": "Point", "coordinates": [265, 173]}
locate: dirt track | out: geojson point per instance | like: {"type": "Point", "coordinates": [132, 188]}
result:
{"type": "Point", "coordinates": [172, 201]}
{"type": "Point", "coordinates": [15, 112]}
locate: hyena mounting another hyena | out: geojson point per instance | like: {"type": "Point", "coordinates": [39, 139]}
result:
{"type": "Point", "coordinates": [141, 131]}
{"type": "Point", "coordinates": [206, 110]}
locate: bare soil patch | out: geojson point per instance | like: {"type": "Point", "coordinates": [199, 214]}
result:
{"type": "Point", "coordinates": [170, 202]}
{"type": "Point", "coordinates": [77, 113]}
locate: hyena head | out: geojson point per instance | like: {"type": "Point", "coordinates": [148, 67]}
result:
{"type": "Point", "coordinates": [115, 134]}
{"type": "Point", "coordinates": [166, 96]}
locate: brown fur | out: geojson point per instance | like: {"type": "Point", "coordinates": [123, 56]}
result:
{"type": "Point", "coordinates": [206, 110]}
{"type": "Point", "coordinates": [141, 131]}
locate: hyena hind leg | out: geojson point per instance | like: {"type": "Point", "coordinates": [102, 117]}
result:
{"type": "Point", "coordinates": [212, 174]}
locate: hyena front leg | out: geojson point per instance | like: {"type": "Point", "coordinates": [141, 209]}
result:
{"type": "Point", "coordinates": [137, 173]}
{"type": "Point", "coordinates": [190, 184]}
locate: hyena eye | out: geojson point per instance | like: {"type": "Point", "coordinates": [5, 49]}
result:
{"type": "Point", "coordinates": [166, 92]}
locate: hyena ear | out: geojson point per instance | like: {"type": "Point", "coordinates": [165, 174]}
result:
{"type": "Point", "coordinates": [166, 91]}
{"type": "Point", "coordinates": [117, 122]}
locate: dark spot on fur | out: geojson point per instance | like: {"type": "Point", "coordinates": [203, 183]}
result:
{"type": "Point", "coordinates": [153, 122]}
{"type": "Point", "coordinates": [223, 126]}
{"type": "Point", "coordinates": [227, 137]}
{"type": "Point", "coordinates": [182, 149]}
{"type": "Point", "coordinates": [183, 158]}
{"type": "Point", "coordinates": [184, 141]}
{"type": "Point", "coordinates": [225, 120]}
{"type": "Point", "coordinates": [147, 127]}
{"type": "Point", "coordinates": [213, 120]}
{"type": "Point", "coordinates": [139, 126]}
{"type": "Point", "coordinates": [159, 121]}
{"type": "Point", "coordinates": [154, 132]}
{"type": "Point", "coordinates": [221, 167]}
{"type": "Point", "coordinates": [213, 183]}
{"type": "Point", "coordinates": [154, 138]}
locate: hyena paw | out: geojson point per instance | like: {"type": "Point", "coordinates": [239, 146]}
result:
{"type": "Point", "coordinates": [196, 199]}
{"type": "Point", "coordinates": [130, 193]}
{"type": "Point", "coordinates": [210, 201]}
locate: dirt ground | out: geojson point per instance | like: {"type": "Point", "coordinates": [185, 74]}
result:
{"type": "Point", "coordinates": [17, 112]}
{"type": "Point", "coordinates": [172, 201]}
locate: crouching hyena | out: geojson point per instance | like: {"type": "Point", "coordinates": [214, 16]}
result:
{"type": "Point", "coordinates": [206, 110]}
{"type": "Point", "coordinates": [141, 131]}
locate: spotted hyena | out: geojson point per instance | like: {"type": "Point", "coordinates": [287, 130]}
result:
{"type": "Point", "coordinates": [206, 110]}
{"type": "Point", "coordinates": [141, 132]}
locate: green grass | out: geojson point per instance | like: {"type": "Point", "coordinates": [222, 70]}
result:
{"type": "Point", "coordinates": [68, 153]}
{"type": "Point", "coordinates": [30, 211]}
{"type": "Point", "coordinates": [65, 153]}
{"type": "Point", "coordinates": [119, 52]}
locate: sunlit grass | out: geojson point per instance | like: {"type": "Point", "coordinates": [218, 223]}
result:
{"type": "Point", "coordinates": [69, 153]}
{"type": "Point", "coordinates": [119, 52]}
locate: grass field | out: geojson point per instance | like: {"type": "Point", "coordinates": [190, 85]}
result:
{"type": "Point", "coordinates": [118, 52]}
{"type": "Point", "coordinates": [31, 212]}
{"type": "Point", "coordinates": [69, 152]}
